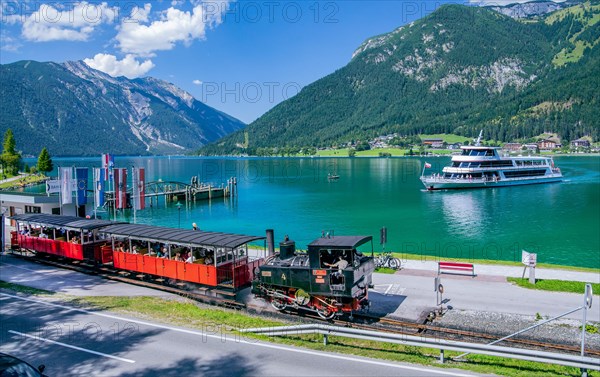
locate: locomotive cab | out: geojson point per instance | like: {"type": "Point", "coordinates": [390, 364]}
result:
{"type": "Point", "coordinates": [331, 278]}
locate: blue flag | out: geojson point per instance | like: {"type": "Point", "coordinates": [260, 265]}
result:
{"type": "Point", "coordinates": [81, 175]}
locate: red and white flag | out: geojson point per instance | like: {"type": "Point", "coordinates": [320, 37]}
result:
{"type": "Point", "coordinates": [139, 201]}
{"type": "Point", "coordinates": [108, 164]}
{"type": "Point", "coordinates": [427, 165]}
{"type": "Point", "coordinates": [120, 178]}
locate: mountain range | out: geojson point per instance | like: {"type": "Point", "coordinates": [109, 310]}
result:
{"type": "Point", "coordinates": [458, 70]}
{"type": "Point", "coordinates": [73, 109]}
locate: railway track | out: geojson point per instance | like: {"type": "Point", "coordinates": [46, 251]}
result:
{"type": "Point", "coordinates": [428, 330]}
{"type": "Point", "coordinates": [370, 322]}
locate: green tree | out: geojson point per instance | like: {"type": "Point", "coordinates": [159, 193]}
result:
{"type": "Point", "coordinates": [44, 163]}
{"type": "Point", "coordinates": [351, 152]}
{"type": "Point", "coordinates": [10, 157]}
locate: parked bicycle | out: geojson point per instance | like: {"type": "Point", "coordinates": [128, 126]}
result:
{"type": "Point", "coordinates": [386, 259]}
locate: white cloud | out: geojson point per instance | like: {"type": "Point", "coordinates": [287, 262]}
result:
{"type": "Point", "coordinates": [8, 43]}
{"type": "Point", "coordinates": [197, 82]}
{"type": "Point", "coordinates": [129, 67]}
{"type": "Point", "coordinates": [72, 22]}
{"type": "Point", "coordinates": [174, 26]}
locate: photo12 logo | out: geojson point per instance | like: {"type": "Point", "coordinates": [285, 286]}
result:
{"type": "Point", "coordinates": [273, 11]}
{"type": "Point", "coordinates": [250, 92]}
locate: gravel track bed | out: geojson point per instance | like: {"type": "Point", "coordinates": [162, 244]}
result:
{"type": "Point", "coordinates": [560, 331]}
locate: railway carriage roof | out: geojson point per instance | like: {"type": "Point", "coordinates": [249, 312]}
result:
{"type": "Point", "coordinates": [179, 236]}
{"type": "Point", "coordinates": [349, 242]}
{"type": "Point", "coordinates": [67, 222]}
{"type": "Point", "coordinates": [139, 231]}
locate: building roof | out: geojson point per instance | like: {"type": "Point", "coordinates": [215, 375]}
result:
{"type": "Point", "coordinates": [349, 242]}
{"type": "Point", "coordinates": [178, 236]}
{"type": "Point", "coordinates": [67, 222]}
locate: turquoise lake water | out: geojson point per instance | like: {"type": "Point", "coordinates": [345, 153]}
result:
{"type": "Point", "coordinates": [561, 222]}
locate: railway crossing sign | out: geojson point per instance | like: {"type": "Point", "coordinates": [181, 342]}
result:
{"type": "Point", "coordinates": [529, 259]}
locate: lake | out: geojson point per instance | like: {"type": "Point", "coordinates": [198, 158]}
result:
{"type": "Point", "coordinates": [560, 222]}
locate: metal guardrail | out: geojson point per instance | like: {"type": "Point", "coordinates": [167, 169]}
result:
{"type": "Point", "coordinates": [576, 361]}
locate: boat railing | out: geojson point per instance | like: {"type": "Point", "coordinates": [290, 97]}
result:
{"type": "Point", "coordinates": [442, 179]}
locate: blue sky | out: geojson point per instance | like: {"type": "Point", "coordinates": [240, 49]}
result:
{"type": "Point", "coordinates": [240, 57]}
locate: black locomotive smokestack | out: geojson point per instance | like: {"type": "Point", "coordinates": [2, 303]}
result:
{"type": "Point", "coordinates": [287, 248]}
{"type": "Point", "coordinates": [271, 241]}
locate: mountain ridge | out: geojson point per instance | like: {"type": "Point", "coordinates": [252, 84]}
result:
{"type": "Point", "coordinates": [456, 70]}
{"type": "Point", "coordinates": [59, 102]}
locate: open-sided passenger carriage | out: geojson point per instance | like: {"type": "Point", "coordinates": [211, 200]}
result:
{"type": "Point", "coordinates": [217, 259]}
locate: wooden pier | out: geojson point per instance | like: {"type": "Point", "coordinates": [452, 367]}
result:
{"type": "Point", "coordinates": [179, 191]}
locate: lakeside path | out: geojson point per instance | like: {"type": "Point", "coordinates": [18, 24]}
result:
{"type": "Point", "coordinates": [15, 178]}
{"type": "Point", "coordinates": [429, 268]}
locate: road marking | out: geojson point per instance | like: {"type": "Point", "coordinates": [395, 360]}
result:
{"type": "Point", "coordinates": [71, 346]}
{"type": "Point", "coordinates": [391, 290]}
{"type": "Point", "coordinates": [237, 340]}
{"type": "Point", "coordinates": [388, 289]}
{"type": "Point", "coordinates": [27, 269]}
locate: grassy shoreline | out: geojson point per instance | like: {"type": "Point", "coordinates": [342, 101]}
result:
{"type": "Point", "coordinates": [433, 258]}
{"type": "Point", "coordinates": [406, 256]}
{"type": "Point", "coordinates": [554, 285]}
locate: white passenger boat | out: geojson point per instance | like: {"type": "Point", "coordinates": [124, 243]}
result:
{"type": "Point", "coordinates": [480, 167]}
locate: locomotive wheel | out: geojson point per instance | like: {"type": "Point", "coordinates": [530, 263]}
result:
{"type": "Point", "coordinates": [325, 313]}
{"type": "Point", "coordinates": [278, 304]}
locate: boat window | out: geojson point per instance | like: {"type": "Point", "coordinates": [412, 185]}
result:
{"type": "Point", "coordinates": [525, 173]}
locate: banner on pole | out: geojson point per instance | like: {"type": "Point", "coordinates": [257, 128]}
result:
{"type": "Point", "coordinates": [139, 201]}
{"type": "Point", "coordinates": [99, 186]}
{"type": "Point", "coordinates": [82, 183]}
{"type": "Point", "coordinates": [66, 185]}
{"type": "Point", "coordinates": [120, 179]}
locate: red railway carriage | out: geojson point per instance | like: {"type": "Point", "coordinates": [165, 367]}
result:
{"type": "Point", "coordinates": [213, 258]}
{"type": "Point", "coordinates": [65, 236]}
{"type": "Point", "coordinates": [207, 258]}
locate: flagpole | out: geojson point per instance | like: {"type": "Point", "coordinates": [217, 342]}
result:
{"type": "Point", "coordinates": [95, 193]}
{"type": "Point", "coordinates": [76, 191]}
{"type": "Point", "coordinates": [133, 197]}
{"type": "Point", "coordinates": [114, 196]}
{"type": "Point", "coordinates": [423, 172]}
{"type": "Point", "coordinates": [60, 190]}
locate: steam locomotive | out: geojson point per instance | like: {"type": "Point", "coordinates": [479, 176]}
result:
{"type": "Point", "coordinates": [331, 278]}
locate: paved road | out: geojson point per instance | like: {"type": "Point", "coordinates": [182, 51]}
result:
{"type": "Point", "coordinates": [407, 296]}
{"type": "Point", "coordinates": [74, 342]}
{"type": "Point", "coordinates": [19, 271]}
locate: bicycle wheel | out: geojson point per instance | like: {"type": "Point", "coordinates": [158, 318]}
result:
{"type": "Point", "coordinates": [393, 263]}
